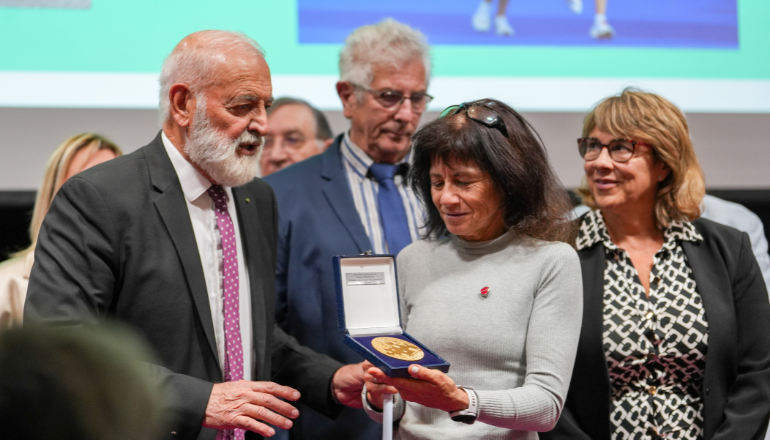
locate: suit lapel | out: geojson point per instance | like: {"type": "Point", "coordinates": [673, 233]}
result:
{"type": "Point", "coordinates": [594, 376]}
{"type": "Point", "coordinates": [714, 286]}
{"type": "Point", "coordinates": [254, 235]}
{"type": "Point", "coordinates": [172, 208]}
{"type": "Point", "coordinates": [336, 189]}
{"type": "Point", "coordinates": [593, 302]}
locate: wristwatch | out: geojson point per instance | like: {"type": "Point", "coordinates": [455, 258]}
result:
{"type": "Point", "coordinates": [468, 415]}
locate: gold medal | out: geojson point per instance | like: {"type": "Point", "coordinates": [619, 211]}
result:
{"type": "Point", "coordinates": [398, 349]}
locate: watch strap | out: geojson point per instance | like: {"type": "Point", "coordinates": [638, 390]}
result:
{"type": "Point", "coordinates": [468, 415]}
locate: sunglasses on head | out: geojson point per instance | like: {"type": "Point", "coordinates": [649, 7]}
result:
{"type": "Point", "coordinates": [478, 113]}
{"type": "Point", "coordinates": [620, 150]}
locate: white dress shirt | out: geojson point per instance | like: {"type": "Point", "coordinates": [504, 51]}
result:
{"type": "Point", "coordinates": [201, 209]}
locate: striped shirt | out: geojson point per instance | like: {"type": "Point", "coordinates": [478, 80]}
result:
{"type": "Point", "coordinates": [365, 188]}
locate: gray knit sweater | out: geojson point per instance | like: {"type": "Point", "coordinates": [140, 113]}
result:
{"type": "Point", "coordinates": [516, 347]}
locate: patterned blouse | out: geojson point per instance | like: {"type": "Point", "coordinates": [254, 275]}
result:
{"type": "Point", "coordinates": [655, 348]}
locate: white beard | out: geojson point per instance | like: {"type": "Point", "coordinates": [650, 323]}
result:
{"type": "Point", "coordinates": [217, 155]}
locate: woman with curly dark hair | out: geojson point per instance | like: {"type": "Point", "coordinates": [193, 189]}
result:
{"type": "Point", "coordinates": [491, 288]}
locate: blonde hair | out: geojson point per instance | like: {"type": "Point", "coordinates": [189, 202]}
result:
{"type": "Point", "coordinates": [56, 173]}
{"type": "Point", "coordinates": [652, 119]}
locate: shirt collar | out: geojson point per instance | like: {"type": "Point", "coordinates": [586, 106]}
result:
{"type": "Point", "coordinates": [593, 230]}
{"type": "Point", "coordinates": [192, 181]}
{"type": "Point", "coordinates": [357, 158]}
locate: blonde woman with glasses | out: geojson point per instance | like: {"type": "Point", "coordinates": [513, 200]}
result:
{"type": "Point", "coordinates": [675, 341]}
{"type": "Point", "coordinates": [74, 155]}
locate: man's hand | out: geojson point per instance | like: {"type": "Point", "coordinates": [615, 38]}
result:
{"type": "Point", "coordinates": [347, 384]}
{"type": "Point", "coordinates": [374, 387]}
{"type": "Point", "coordinates": [240, 404]}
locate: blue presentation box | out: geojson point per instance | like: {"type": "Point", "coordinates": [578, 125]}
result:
{"type": "Point", "coordinates": [368, 307]}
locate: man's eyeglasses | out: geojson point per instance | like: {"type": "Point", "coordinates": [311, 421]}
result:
{"type": "Point", "coordinates": [621, 150]}
{"type": "Point", "coordinates": [478, 113]}
{"type": "Point", "coordinates": [292, 141]}
{"type": "Point", "coordinates": [393, 98]}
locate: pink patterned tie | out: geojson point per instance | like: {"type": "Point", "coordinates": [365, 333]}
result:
{"type": "Point", "coordinates": [233, 345]}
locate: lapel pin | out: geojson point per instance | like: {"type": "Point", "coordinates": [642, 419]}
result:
{"type": "Point", "coordinates": [484, 292]}
{"type": "Point", "coordinates": [248, 200]}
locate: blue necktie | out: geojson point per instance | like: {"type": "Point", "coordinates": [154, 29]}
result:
{"type": "Point", "coordinates": [391, 206]}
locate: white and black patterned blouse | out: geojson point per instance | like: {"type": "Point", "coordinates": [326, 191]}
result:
{"type": "Point", "coordinates": [655, 348]}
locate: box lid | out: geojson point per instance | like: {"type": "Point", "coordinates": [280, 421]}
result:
{"type": "Point", "coordinates": [367, 295]}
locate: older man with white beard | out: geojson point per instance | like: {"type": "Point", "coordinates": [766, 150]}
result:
{"type": "Point", "coordinates": [178, 241]}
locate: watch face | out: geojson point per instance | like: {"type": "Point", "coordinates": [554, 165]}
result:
{"type": "Point", "coordinates": [468, 419]}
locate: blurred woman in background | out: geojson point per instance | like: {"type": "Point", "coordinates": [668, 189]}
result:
{"type": "Point", "coordinates": [74, 155]}
{"type": "Point", "coordinates": [675, 341]}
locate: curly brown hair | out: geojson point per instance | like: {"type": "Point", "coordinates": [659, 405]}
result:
{"type": "Point", "coordinates": [535, 203]}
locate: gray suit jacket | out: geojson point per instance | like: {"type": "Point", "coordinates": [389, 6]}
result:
{"type": "Point", "coordinates": [118, 243]}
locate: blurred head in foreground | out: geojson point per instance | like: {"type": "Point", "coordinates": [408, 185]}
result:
{"type": "Point", "coordinates": [84, 384]}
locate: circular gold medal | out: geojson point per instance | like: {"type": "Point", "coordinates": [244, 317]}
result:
{"type": "Point", "coordinates": [398, 349]}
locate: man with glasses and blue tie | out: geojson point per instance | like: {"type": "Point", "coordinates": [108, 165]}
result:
{"type": "Point", "coordinates": [351, 199]}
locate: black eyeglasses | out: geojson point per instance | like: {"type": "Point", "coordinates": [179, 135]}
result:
{"type": "Point", "coordinates": [478, 113]}
{"type": "Point", "coordinates": [393, 98]}
{"type": "Point", "coordinates": [621, 150]}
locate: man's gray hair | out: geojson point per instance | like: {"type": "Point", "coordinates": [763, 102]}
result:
{"type": "Point", "coordinates": [387, 42]}
{"type": "Point", "coordinates": [195, 58]}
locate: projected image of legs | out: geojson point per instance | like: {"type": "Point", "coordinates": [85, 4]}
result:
{"type": "Point", "coordinates": [481, 18]}
{"type": "Point", "coordinates": [649, 23]}
{"type": "Point", "coordinates": [601, 28]}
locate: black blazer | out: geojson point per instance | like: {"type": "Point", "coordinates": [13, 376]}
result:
{"type": "Point", "coordinates": [118, 243]}
{"type": "Point", "coordinates": [736, 387]}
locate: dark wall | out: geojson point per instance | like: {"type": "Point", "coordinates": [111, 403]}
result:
{"type": "Point", "coordinates": [15, 215]}
{"type": "Point", "coordinates": [16, 212]}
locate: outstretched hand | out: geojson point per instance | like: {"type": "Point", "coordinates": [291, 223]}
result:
{"type": "Point", "coordinates": [430, 388]}
{"type": "Point", "coordinates": [240, 404]}
{"type": "Point", "coordinates": [374, 387]}
{"type": "Point", "coordinates": [347, 384]}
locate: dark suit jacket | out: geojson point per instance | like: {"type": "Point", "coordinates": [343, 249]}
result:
{"type": "Point", "coordinates": [118, 243]}
{"type": "Point", "coordinates": [736, 387]}
{"type": "Point", "coordinates": [318, 219]}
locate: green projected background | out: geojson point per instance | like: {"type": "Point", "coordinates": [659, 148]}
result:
{"type": "Point", "coordinates": [135, 36]}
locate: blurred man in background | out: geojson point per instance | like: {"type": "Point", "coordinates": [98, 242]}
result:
{"type": "Point", "coordinates": [296, 130]}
